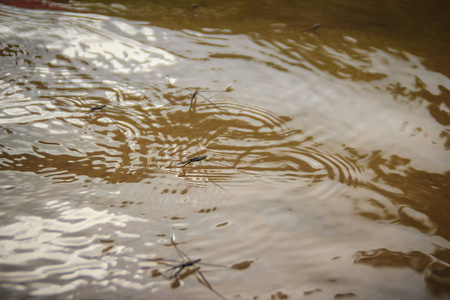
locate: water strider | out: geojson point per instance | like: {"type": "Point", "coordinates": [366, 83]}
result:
{"type": "Point", "coordinates": [310, 28]}
{"type": "Point", "coordinates": [194, 6]}
{"type": "Point", "coordinates": [191, 160]}
{"type": "Point", "coordinates": [197, 159]}
{"type": "Point", "coordinates": [182, 266]}
{"type": "Point", "coordinates": [197, 93]}
{"type": "Point", "coordinates": [186, 268]}
{"type": "Point", "coordinates": [327, 96]}
{"type": "Point", "coordinates": [99, 108]}
{"type": "Point", "coordinates": [315, 27]}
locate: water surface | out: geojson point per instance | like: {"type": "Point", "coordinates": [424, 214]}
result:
{"type": "Point", "coordinates": [326, 171]}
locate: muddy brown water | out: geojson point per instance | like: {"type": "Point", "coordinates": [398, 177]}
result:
{"type": "Point", "coordinates": [326, 173]}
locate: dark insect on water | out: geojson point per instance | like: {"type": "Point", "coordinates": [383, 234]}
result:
{"type": "Point", "coordinates": [197, 93]}
{"type": "Point", "coordinates": [310, 28]}
{"type": "Point", "coordinates": [315, 27]}
{"type": "Point", "coordinates": [194, 6]}
{"type": "Point", "coordinates": [98, 107]}
{"type": "Point", "coordinates": [197, 159]}
{"type": "Point", "coordinates": [186, 268]}
{"type": "Point", "coordinates": [191, 160]}
{"type": "Point", "coordinates": [176, 270]}
{"type": "Point", "coordinates": [101, 107]}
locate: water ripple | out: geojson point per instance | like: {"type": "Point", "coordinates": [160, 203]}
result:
{"type": "Point", "coordinates": [133, 141]}
{"type": "Point", "coordinates": [317, 142]}
{"type": "Point", "coordinates": [40, 248]}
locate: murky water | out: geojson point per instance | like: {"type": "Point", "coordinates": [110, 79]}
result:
{"type": "Point", "coordinates": [326, 172]}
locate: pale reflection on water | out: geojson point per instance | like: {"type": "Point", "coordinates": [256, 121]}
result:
{"type": "Point", "coordinates": [324, 169]}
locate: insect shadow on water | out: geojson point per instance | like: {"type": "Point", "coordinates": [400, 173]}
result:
{"type": "Point", "coordinates": [187, 267]}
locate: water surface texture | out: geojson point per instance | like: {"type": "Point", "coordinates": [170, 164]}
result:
{"type": "Point", "coordinates": [297, 149]}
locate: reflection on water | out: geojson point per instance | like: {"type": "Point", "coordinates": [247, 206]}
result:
{"type": "Point", "coordinates": [305, 157]}
{"type": "Point", "coordinates": [59, 254]}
